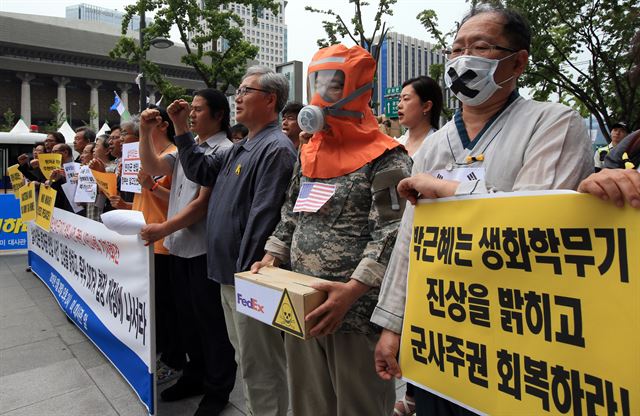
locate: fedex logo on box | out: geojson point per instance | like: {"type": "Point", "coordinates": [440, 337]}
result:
{"type": "Point", "coordinates": [250, 303]}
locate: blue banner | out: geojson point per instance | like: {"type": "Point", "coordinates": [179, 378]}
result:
{"type": "Point", "coordinates": [101, 281]}
{"type": "Point", "coordinates": [13, 233]}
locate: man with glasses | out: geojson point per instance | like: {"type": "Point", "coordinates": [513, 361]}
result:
{"type": "Point", "coordinates": [249, 181]}
{"type": "Point", "coordinates": [497, 142]}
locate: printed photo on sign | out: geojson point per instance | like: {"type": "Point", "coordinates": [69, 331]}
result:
{"type": "Point", "coordinates": [130, 167]}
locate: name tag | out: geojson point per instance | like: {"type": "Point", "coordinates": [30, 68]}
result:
{"type": "Point", "coordinates": [460, 174]}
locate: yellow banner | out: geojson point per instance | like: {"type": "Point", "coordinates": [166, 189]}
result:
{"type": "Point", "coordinates": [49, 162]}
{"type": "Point", "coordinates": [17, 180]}
{"type": "Point", "coordinates": [27, 195]}
{"type": "Point", "coordinates": [106, 182]}
{"type": "Point", "coordinates": [44, 210]}
{"type": "Point", "coordinates": [525, 305]}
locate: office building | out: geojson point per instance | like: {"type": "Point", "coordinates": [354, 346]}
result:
{"type": "Point", "coordinates": [91, 13]}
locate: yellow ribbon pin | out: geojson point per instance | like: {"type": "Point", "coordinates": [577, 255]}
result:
{"type": "Point", "coordinates": [238, 169]}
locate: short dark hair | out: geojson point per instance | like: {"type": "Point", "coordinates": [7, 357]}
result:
{"type": "Point", "coordinates": [217, 102]}
{"type": "Point", "coordinates": [66, 148]}
{"type": "Point", "coordinates": [428, 90]}
{"type": "Point", "coordinates": [515, 27]}
{"type": "Point", "coordinates": [36, 144]}
{"type": "Point", "coordinates": [240, 128]}
{"type": "Point", "coordinates": [292, 107]}
{"type": "Point", "coordinates": [171, 131]}
{"type": "Point", "coordinates": [89, 135]}
{"type": "Point", "coordinates": [57, 136]}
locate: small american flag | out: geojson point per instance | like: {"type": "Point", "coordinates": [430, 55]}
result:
{"type": "Point", "coordinates": [313, 196]}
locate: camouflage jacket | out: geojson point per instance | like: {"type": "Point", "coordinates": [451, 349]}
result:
{"type": "Point", "coordinates": [351, 236]}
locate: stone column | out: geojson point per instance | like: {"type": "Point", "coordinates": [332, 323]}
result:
{"type": "Point", "coordinates": [62, 93]}
{"type": "Point", "coordinates": [94, 104]}
{"type": "Point", "coordinates": [124, 94]}
{"type": "Point", "coordinates": [25, 96]}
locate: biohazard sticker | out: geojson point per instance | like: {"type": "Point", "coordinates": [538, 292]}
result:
{"type": "Point", "coordinates": [286, 318]}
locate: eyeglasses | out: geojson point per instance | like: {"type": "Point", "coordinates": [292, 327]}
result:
{"type": "Point", "coordinates": [480, 48]}
{"type": "Point", "coordinates": [242, 91]}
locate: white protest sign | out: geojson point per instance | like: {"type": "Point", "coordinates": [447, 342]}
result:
{"type": "Point", "coordinates": [87, 189]}
{"type": "Point", "coordinates": [70, 192]}
{"type": "Point", "coordinates": [130, 167]}
{"type": "Point", "coordinates": [71, 171]}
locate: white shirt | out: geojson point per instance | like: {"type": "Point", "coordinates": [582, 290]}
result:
{"type": "Point", "coordinates": [529, 146]}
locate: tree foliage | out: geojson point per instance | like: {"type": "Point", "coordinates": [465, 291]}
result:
{"type": "Point", "coordinates": [9, 120]}
{"type": "Point", "coordinates": [200, 24]}
{"type": "Point", "coordinates": [58, 116]}
{"type": "Point", "coordinates": [580, 52]}
{"type": "Point", "coordinates": [337, 28]}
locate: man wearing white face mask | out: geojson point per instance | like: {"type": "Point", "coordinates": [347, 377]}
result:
{"type": "Point", "coordinates": [497, 142]}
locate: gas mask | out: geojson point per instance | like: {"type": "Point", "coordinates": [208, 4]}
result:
{"type": "Point", "coordinates": [328, 84]}
{"type": "Point", "coordinates": [470, 78]}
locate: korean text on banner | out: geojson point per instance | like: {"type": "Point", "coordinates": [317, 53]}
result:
{"type": "Point", "coordinates": [106, 181]}
{"type": "Point", "coordinates": [130, 168]}
{"type": "Point", "coordinates": [49, 162]}
{"type": "Point", "coordinates": [13, 230]}
{"type": "Point", "coordinates": [44, 208]}
{"type": "Point", "coordinates": [101, 281]}
{"type": "Point", "coordinates": [525, 304]}
{"type": "Point", "coordinates": [28, 202]}
{"type": "Point", "coordinates": [17, 180]}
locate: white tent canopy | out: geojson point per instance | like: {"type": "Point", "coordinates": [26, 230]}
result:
{"type": "Point", "coordinates": [67, 132]}
{"type": "Point", "coordinates": [104, 129]}
{"type": "Point", "coordinates": [20, 127]}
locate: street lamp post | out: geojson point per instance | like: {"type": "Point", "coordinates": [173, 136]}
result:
{"type": "Point", "coordinates": [143, 57]}
{"type": "Point", "coordinates": [160, 43]}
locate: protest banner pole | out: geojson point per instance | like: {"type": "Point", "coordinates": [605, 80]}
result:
{"type": "Point", "coordinates": [152, 332]}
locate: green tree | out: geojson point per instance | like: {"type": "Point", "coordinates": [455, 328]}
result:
{"type": "Point", "coordinates": [337, 28]}
{"type": "Point", "coordinates": [9, 120]}
{"type": "Point", "coordinates": [58, 116]}
{"type": "Point", "coordinates": [581, 52]}
{"type": "Point", "coordinates": [199, 28]}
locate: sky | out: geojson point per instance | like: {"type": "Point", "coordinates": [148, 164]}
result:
{"type": "Point", "coordinates": [304, 27]}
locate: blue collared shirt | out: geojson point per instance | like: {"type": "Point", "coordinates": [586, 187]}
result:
{"type": "Point", "coordinates": [249, 182]}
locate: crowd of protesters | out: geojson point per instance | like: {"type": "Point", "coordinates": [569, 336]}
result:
{"type": "Point", "coordinates": [221, 199]}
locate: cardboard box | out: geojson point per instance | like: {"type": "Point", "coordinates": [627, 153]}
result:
{"type": "Point", "coordinates": [279, 298]}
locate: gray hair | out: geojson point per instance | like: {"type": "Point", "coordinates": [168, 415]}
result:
{"type": "Point", "coordinates": [134, 121]}
{"type": "Point", "coordinates": [271, 81]}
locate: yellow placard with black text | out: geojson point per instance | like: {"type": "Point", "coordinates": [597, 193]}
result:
{"type": "Point", "coordinates": [44, 209]}
{"type": "Point", "coordinates": [16, 177]}
{"type": "Point", "coordinates": [107, 182]}
{"type": "Point", "coordinates": [525, 304]}
{"type": "Point", "coordinates": [27, 195]}
{"type": "Point", "coordinates": [48, 162]}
